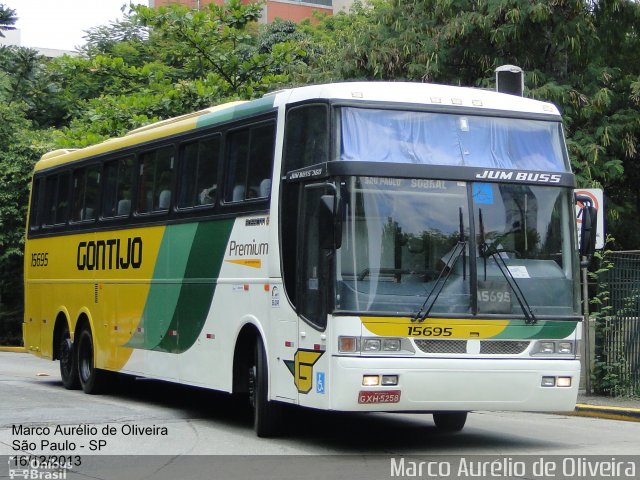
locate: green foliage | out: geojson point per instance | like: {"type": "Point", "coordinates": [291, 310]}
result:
{"type": "Point", "coordinates": [216, 40]}
{"type": "Point", "coordinates": [157, 63]}
{"type": "Point", "coordinates": [610, 374]}
{"type": "Point", "coordinates": [166, 62]}
{"type": "Point", "coordinates": [584, 56]}
{"type": "Point", "coordinates": [7, 18]}
{"type": "Point", "coordinates": [20, 147]}
{"type": "Point", "coordinates": [152, 65]}
{"type": "Point", "coordinates": [27, 79]}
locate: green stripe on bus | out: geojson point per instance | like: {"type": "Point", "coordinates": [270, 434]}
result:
{"type": "Point", "coordinates": [518, 329]}
{"type": "Point", "coordinates": [250, 108]}
{"type": "Point", "coordinates": [164, 292]}
{"type": "Point", "coordinates": [196, 293]}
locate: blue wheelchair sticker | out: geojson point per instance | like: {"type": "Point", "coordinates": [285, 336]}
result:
{"type": "Point", "coordinates": [483, 193]}
{"type": "Point", "coordinates": [320, 382]}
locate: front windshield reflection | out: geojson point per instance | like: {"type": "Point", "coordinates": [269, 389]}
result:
{"type": "Point", "coordinates": [400, 235]}
{"type": "Point", "coordinates": [397, 237]}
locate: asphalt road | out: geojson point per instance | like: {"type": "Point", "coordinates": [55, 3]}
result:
{"type": "Point", "coordinates": [143, 417]}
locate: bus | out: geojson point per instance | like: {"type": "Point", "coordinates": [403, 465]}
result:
{"type": "Point", "coordinates": [366, 246]}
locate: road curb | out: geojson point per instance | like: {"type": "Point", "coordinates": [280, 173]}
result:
{"type": "Point", "coordinates": [611, 413]}
{"type": "Point", "coordinates": [13, 349]}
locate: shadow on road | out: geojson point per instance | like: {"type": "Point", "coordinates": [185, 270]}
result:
{"type": "Point", "coordinates": [373, 433]}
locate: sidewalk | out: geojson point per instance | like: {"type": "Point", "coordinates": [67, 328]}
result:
{"type": "Point", "coordinates": [612, 408]}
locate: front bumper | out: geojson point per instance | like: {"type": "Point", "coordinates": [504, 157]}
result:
{"type": "Point", "coordinates": [436, 384]}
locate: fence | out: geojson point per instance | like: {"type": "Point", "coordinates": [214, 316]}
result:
{"type": "Point", "coordinates": [617, 369]}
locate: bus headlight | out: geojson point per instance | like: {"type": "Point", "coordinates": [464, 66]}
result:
{"type": "Point", "coordinates": [371, 344]}
{"type": "Point", "coordinates": [565, 347]}
{"type": "Point", "coordinates": [547, 347]}
{"type": "Point", "coordinates": [379, 345]}
{"type": "Point", "coordinates": [391, 344]}
{"type": "Point", "coordinates": [553, 348]}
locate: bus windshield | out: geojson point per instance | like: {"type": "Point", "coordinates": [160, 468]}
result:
{"type": "Point", "coordinates": [402, 237]}
{"type": "Point", "coordinates": [376, 135]}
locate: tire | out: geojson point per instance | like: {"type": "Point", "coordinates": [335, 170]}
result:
{"type": "Point", "coordinates": [267, 416]}
{"type": "Point", "coordinates": [92, 380]}
{"type": "Point", "coordinates": [450, 421]}
{"type": "Point", "coordinates": [68, 363]}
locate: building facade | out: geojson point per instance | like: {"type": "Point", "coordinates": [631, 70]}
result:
{"type": "Point", "coordinates": [294, 10]}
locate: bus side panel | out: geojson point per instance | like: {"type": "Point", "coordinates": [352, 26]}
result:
{"type": "Point", "coordinates": [33, 314]}
{"type": "Point", "coordinates": [237, 253]}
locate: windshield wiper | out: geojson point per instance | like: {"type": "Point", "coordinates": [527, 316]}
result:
{"type": "Point", "coordinates": [459, 250]}
{"type": "Point", "coordinates": [487, 250]}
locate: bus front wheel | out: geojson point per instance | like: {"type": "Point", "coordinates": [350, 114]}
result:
{"type": "Point", "coordinates": [68, 363]}
{"type": "Point", "coordinates": [450, 421]}
{"type": "Point", "coordinates": [267, 415]}
{"type": "Point", "coordinates": [92, 380]}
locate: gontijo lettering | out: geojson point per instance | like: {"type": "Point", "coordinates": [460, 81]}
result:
{"type": "Point", "coordinates": [111, 254]}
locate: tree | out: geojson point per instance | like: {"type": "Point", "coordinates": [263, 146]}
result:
{"type": "Point", "coordinates": [215, 42]}
{"type": "Point", "coordinates": [8, 18]}
{"type": "Point", "coordinates": [583, 55]}
{"type": "Point", "coordinates": [20, 147]}
{"type": "Point", "coordinates": [169, 61]}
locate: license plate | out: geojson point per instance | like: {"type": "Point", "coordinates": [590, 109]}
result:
{"type": "Point", "coordinates": [388, 396]}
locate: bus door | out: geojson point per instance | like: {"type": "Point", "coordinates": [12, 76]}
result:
{"type": "Point", "coordinates": [315, 291]}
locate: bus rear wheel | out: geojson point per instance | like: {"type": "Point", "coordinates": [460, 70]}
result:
{"type": "Point", "coordinates": [92, 380]}
{"type": "Point", "coordinates": [450, 421]}
{"type": "Point", "coordinates": [68, 364]}
{"type": "Point", "coordinates": [267, 416]}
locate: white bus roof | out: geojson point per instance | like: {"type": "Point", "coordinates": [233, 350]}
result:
{"type": "Point", "coordinates": [417, 93]}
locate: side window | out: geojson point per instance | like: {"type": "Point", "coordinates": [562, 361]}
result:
{"type": "Point", "coordinates": [306, 137]}
{"type": "Point", "coordinates": [249, 163]}
{"type": "Point", "coordinates": [199, 172]}
{"type": "Point", "coordinates": [85, 186]}
{"type": "Point", "coordinates": [118, 185]}
{"type": "Point", "coordinates": [306, 143]}
{"type": "Point", "coordinates": [155, 180]}
{"type": "Point", "coordinates": [56, 199]}
{"type": "Point", "coordinates": [34, 221]}
{"type": "Point", "coordinates": [316, 264]}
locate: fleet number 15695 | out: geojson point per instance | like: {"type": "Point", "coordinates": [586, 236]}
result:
{"type": "Point", "coordinates": [428, 331]}
{"type": "Point", "coordinates": [40, 259]}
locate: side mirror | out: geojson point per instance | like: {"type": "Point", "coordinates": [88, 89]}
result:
{"type": "Point", "coordinates": [329, 224]}
{"type": "Point", "coordinates": [589, 228]}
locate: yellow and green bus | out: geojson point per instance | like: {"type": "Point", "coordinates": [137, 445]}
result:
{"type": "Point", "coordinates": [351, 247]}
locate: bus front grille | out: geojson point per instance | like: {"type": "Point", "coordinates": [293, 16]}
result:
{"type": "Point", "coordinates": [487, 347]}
{"type": "Point", "coordinates": [442, 346]}
{"type": "Point", "coordinates": [502, 347]}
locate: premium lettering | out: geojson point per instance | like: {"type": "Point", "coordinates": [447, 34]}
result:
{"type": "Point", "coordinates": [111, 254]}
{"type": "Point", "coordinates": [253, 248]}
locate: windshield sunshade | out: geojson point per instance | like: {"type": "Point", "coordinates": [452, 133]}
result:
{"type": "Point", "coordinates": [375, 135]}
